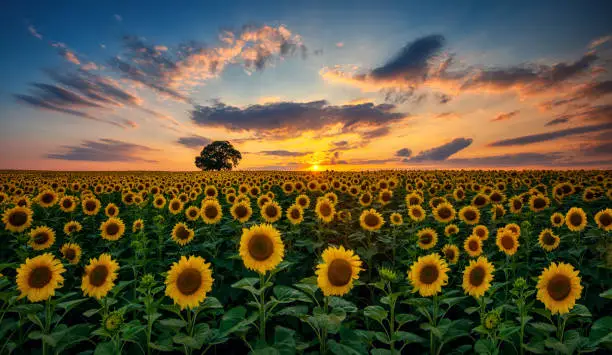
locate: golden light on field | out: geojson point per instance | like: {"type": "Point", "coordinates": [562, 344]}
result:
{"type": "Point", "coordinates": [315, 167]}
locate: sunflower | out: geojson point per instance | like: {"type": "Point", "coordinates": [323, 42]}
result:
{"type": "Point", "coordinates": [365, 199]}
{"type": "Point", "coordinates": [371, 220]}
{"type": "Point", "coordinates": [477, 277]}
{"type": "Point", "coordinates": [241, 211]}
{"type": "Point", "coordinates": [480, 200]}
{"type": "Point", "coordinates": [451, 253]}
{"type": "Point", "coordinates": [325, 210]}
{"type": "Point", "coordinates": [481, 232]}
{"type": "Point", "coordinates": [181, 234]}
{"type": "Point", "coordinates": [188, 281]}
{"type": "Point", "coordinates": [514, 228]}
{"type": "Point", "coordinates": [111, 210]}
{"type": "Point", "coordinates": [548, 240]}
{"type": "Point", "coordinates": [39, 277]}
{"type": "Point", "coordinates": [91, 206]}
{"type": "Point", "coordinates": [427, 238]}
{"type": "Point", "coordinates": [507, 241]}
{"type": "Point", "coordinates": [303, 201]}
{"type": "Point", "coordinates": [559, 288]}
{"type": "Point", "coordinates": [473, 245]}
{"type": "Point", "coordinates": [469, 215]}
{"type": "Point", "coordinates": [336, 273]}
{"type": "Point", "coordinates": [575, 219]}
{"type": "Point", "coordinates": [137, 225]}
{"type": "Point", "coordinates": [211, 211]}
{"type": "Point", "coordinates": [295, 214]}
{"type": "Point", "coordinates": [497, 211]}
{"type": "Point", "coordinates": [451, 229]}
{"type": "Point", "coordinates": [17, 219]}
{"type": "Point", "coordinates": [46, 198]}
{"type": "Point", "coordinates": [604, 219]}
{"type": "Point", "coordinates": [428, 274]}
{"type": "Point", "coordinates": [416, 213]}
{"type": "Point", "coordinates": [67, 204]}
{"type": "Point", "coordinates": [413, 198]}
{"type": "Point", "coordinates": [444, 212]}
{"type": "Point", "coordinates": [41, 238]}
{"type": "Point", "coordinates": [72, 227]}
{"type": "Point", "coordinates": [516, 204]}
{"type": "Point", "coordinates": [557, 219]}
{"type": "Point", "coordinates": [159, 201]}
{"type": "Point", "coordinates": [261, 248]}
{"type": "Point", "coordinates": [211, 191]}
{"type": "Point", "coordinates": [71, 252]}
{"type": "Point", "coordinates": [385, 196]}
{"type": "Point", "coordinates": [396, 219]}
{"type": "Point", "coordinates": [100, 276]}
{"type": "Point", "coordinates": [112, 229]}
{"type": "Point", "coordinates": [175, 206]}
{"type": "Point", "coordinates": [538, 203]}
{"type": "Point", "coordinates": [271, 211]}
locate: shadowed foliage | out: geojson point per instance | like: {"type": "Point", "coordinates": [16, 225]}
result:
{"type": "Point", "coordinates": [218, 155]}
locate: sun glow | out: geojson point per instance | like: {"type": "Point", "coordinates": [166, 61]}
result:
{"type": "Point", "coordinates": [315, 167]}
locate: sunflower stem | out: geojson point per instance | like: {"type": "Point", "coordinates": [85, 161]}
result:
{"type": "Point", "coordinates": [262, 309]}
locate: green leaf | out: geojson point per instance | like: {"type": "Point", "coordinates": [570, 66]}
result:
{"type": "Point", "coordinates": [407, 337]}
{"type": "Point", "coordinates": [286, 294]}
{"type": "Point", "coordinates": [485, 347]}
{"type": "Point", "coordinates": [508, 331]}
{"type": "Point", "coordinates": [186, 340]}
{"type": "Point", "coordinates": [339, 349]}
{"type": "Point", "coordinates": [556, 345]}
{"type": "Point", "coordinates": [606, 294]}
{"type": "Point", "coordinates": [434, 330]}
{"type": "Point", "coordinates": [382, 337]}
{"type": "Point", "coordinates": [34, 319]}
{"type": "Point", "coordinates": [418, 302]}
{"type": "Point", "coordinates": [601, 331]}
{"type": "Point", "coordinates": [544, 327]}
{"type": "Point", "coordinates": [536, 347]}
{"type": "Point", "coordinates": [27, 308]}
{"type": "Point", "coordinates": [106, 348]}
{"type": "Point", "coordinates": [91, 312]}
{"type": "Point", "coordinates": [295, 311]}
{"type": "Point", "coordinates": [67, 306]}
{"type": "Point", "coordinates": [404, 318]}
{"type": "Point", "coordinates": [49, 340]}
{"type": "Point", "coordinates": [246, 282]}
{"type": "Point", "coordinates": [173, 323]}
{"type": "Point", "coordinates": [375, 312]}
{"type": "Point", "coordinates": [579, 310]}
{"type": "Point", "coordinates": [451, 301]}
{"type": "Point", "coordinates": [35, 335]}
{"type": "Point", "coordinates": [284, 340]}
{"type": "Point", "coordinates": [341, 303]}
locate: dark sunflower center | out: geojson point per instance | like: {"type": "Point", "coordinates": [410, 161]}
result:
{"type": "Point", "coordinates": [559, 287]}
{"type": "Point", "coordinates": [210, 192]}
{"type": "Point", "coordinates": [417, 213]}
{"type": "Point", "coordinates": [159, 202]}
{"type": "Point", "coordinates": [605, 219]}
{"type": "Point", "coordinates": [539, 203]}
{"type": "Point", "coordinates": [261, 247]}
{"type": "Point", "coordinates": [98, 276]}
{"type": "Point", "coordinates": [70, 254]}
{"type": "Point", "coordinates": [480, 232]}
{"type": "Point", "coordinates": [339, 272]}
{"type": "Point", "coordinates": [41, 238]}
{"type": "Point", "coordinates": [90, 206]}
{"type": "Point", "coordinates": [479, 201]}
{"type": "Point", "coordinates": [386, 197]}
{"type": "Point", "coordinates": [507, 242]}
{"type": "Point", "coordinates": [477, 276]}
{"type": "Point", "coordinates": [189, 281]}
{"type": "Point", "coordinates": [176, 205]}
{"type": "Point", "coordinates": [67, 203]}
{"type": "Point", "coordinates": [325, 210]}
{"type": "Point", "coordinates": [473, 245]}
{"type": "Point", "coordinates": [449, 254]}
{"type": "Point", "coordinates": [366, 198]}
{"type": "Point", "coordinates": [444, 212]}
{"type": "Point", "coordinates": [371, 220]}
{"type": "Point", "coordinates": [182, 233]}
{"type": "Point", "coordinates": [72, 228]}
{"type": "Point", "coordinates": [575, 219]}
{"type": "Point", "coordinates": [111, 211]}
{"type": "Point", "coordinates": [211, 212]}
{"type": "Point", "coordinates": [557, 219]}
{"type": "Point", "coordinates": [429, 274]}
{"type": "Point", "coordinates": [548, 239]}
{"type": "Point", "coordinates": [302, 202]}
{"type": "Point", "coordinates": [241, 211]}
{"type": "Point", "coordinates": [47, 198]}
{"type": "Point", "coordinates": [271, 211]}
{"type": "Point", "coordinates": [193, 213]}
{"type": "Point", "coordinates": [295, 213]}
{"type": "Point", "coordinates": [112, 229]}
{"type": "Point", "coordinates": [517, 204]}
{"type": "Point", "coordinates": [470, 215]}
{"type": "Point", "coordinates": [18, 218]}
{"type": "Point", "coordinates": [426, 238]}
{"type": "Point", "coordinates": [40, 277]}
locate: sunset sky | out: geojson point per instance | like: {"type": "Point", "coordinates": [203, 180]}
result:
{"type": "Point", "coordinates": [337, 85]}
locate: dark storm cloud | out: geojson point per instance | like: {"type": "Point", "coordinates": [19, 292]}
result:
{"type": "Point", "coordinates": [284, 153]}
{"type": "Point", "coordinates": [194, 141]}
{"type": "Point", "coordinates": [442, 152]}
{"type": "Point", "coordinates": [543, 137]}
{"type": "Point", "coordinates": [404, 152]}
{"type": "Point", "coordinates": [292, 118]}
{"type": "Point", "coordinates": [505, 116]}
{"type": "Point", "coordinates": [104, 150]}
{"type": "Point", "coordinates": [412, 61]}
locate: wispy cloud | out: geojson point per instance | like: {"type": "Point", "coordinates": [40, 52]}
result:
{"type": "Point", "coordinates": [104, 150]}
{"type": "Point", "coordinates": [505, 116]}
{"type": "Point", "coordinates": [194, 141]}
{"type": "Point", "coordinates": [543, 137]}
{"type": "Point", "coordinates": [34, 32]}
{"type": "Point", "coordinates": [284, 153]}
{"type": "Point", "coordinates": [442, 152]}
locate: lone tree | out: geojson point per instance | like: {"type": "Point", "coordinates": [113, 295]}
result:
{"type": "Point", "coordinates": [218, 155]}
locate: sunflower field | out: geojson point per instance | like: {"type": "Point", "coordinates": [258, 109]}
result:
{"type": "Point", "coordinates": [371, 262]}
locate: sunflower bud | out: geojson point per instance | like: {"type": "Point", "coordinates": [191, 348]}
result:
{"type": "Point", "coordinates": [113, 321]}
{"type": "Point", "coordinates": [520, 283]}
{"type": "Point", "coordinates": [388, 274]}
{"type": "Point", "coordinates": [147, 281]}
{"type": "Point", "coordinates": [491, 320]}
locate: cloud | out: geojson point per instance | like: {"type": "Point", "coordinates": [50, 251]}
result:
{"type": "Point", "coordinates": [543, 137]}
{"type": "Point", "coordinates": [104, 150]}
{"type": "Point", "coordinates": [404, 152]}
{"type": "Point", "coordinates": [284, 153]}
{"type": "Point", "coordinates": [505, 116]}
{"type": "Point", "coordinates": [586, 92]}
{"type": "Point", "coordinates": [442, 152]}
{"type": "Point", "coordinates": [556, 121]}
{"type": "Point", "coordinates": [118, 17]}
{"type": "Point", "coordinates": [66, 53]}
{"type": "Point", "coordinates": [340, 44]}
{"type": "Point", "coordinates": [194, 141]}
{"type": "Point", "coordinates": [34, 32]}
{"type": "Point", "coordinates": [375, 133]}
{"type": "Point", "coordinates": [599, 41]}
{"type": "Point", "coordinates": [292, 118]}
{"type": "Point", "coordinates": [448, 115]}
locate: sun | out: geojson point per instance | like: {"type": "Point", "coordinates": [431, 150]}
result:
{"type": "Point", "coordinates": [315, 167]}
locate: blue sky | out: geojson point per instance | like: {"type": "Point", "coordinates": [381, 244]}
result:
{"type": "Point", "coordinates": [359, 35]}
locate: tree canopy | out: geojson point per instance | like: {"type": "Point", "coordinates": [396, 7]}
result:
{"type": "Point", "coordinates": [218, 155]}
